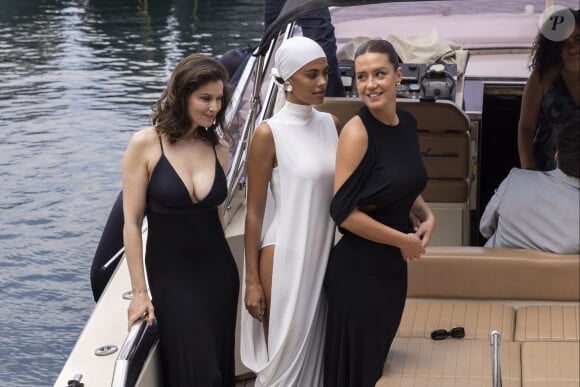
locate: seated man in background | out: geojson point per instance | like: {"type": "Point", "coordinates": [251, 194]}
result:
{"type": "Point", "coordinates": [539, 210]}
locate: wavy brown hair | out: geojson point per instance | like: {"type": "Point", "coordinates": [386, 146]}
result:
{"type": "Point", "coordinates": [546, 53]}
{"type": "Point", "coordinates": [170, 115]}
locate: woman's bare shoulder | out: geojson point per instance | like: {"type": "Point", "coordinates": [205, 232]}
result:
{"type": "Point", "coordinates": [353, 141]}
{"type": "Point", "coordinates": [145, 137]}
{"type": "Point", "coordinates": [263, 137]}
{"type": "Point", "coordinates": [354, 130]}
{"type": "Point", "coordinates": [263, 130]}
{"type": "Point", "coordinates": [144, 145]}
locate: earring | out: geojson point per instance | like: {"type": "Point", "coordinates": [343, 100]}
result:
{"type": "Point", "coordinates": [287, 87]}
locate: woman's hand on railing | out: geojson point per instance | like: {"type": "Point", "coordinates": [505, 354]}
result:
{"type": "Point", "coordinates": [140, 307]}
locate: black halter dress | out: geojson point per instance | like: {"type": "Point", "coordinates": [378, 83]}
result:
{"type": "Point", "coordinates": [193, 280]}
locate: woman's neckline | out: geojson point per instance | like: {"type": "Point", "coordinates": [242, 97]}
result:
{"type": "Point", "coordinates": [396, 116]}
{"type": "Point", "coordinates": [297, 109]}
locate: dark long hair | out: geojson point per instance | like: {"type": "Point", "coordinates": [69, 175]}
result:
{"type": "Point", "coordinates": [170, 115]}
{"type": "Point", "coordinates": [379, 46]}
{"type": "Point", "coordinates": [546, 53]}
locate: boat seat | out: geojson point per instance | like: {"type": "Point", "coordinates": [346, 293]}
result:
{"type": "Point", "coordinates": [446, 190]}
{"type": "Point", "coordinates": [420, 318]}
{"type": "Point", "coordinates": [449, 363]}
{"type": "Point", "coordinates": [469, 272]}
{"type": "Point", "coordinates": [548, 323]}
{"type": "Point", "coordinates": [550, 364]}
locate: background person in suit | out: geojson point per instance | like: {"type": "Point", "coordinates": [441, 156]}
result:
{"type": "Point", "coordinates": [539, 210]}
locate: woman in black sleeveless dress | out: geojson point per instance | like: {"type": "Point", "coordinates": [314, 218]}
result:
{"type": "Point", "coordinates": [551, 97]}
{"type": "Point", "coordinates": [378, 180]}
{"type": "Point", "coordinates": [175, 170]}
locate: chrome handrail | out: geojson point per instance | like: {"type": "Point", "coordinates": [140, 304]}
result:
{"type": "Point", "coordinates": [113, 258]}
{"type": "Point", "coordinates": [121, 251]}
{"type": "Point", "coordinates": [130, 346]}
{"type": "Point", "coordinates": [236, 171]}
{"type": "Point", "coordinates": [494, 339]}
{"type": "Point", "coordinates": [239, 89]}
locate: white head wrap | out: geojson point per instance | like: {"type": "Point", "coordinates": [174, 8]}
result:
{"type": "Point", "coordinates": [293, 54]}
{"type": "Point", "coordinates": [290, 57]}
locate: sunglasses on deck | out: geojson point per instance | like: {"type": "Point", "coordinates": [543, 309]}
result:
{"type": "Point", "coordinates": [455, 332]}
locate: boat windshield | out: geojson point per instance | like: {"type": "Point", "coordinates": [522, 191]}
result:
{"type": "Point", "coordinates": [528, 15]}
{"type": "Point", "coordinates": [471, 24]}
{"type": "Point", "coordinates": [454, 7]}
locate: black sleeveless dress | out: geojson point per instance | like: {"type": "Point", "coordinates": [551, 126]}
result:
{"type": "Point", "coordinates": [193, 280]}
{"type": "Point", "coordinates": [557, 109]}
{"type": "Point", "coordinates": [366, 282]}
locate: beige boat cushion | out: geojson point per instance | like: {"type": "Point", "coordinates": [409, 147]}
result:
{"type": "Point", "coordinates": [491, 273]}
{"type": "Point", "coordinates": [550, 364]}
{"type": "Point", "coordinates": [457, 362]}
{"type": "Point", "coordinates": [548, 323]}
{"type": "Point", "coordinates": [446, 191]}
{"type": "Point", "coordinates": [420, 318]}
{"type": "Point", "coordinates": [445, 155]}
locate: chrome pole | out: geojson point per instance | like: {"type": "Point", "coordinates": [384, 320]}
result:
{"type": "Point", "coordinates": [236, 172]}
{"type": "Point", "coordinates": [134, 338]}
{"type": "Point", "coordinates": [121, 250]}
{"type": "Point", "coordinates": [494, 339]}
{"type": "Point", "coordinates": [110, 261]}
{"type": "Point", "coordinates": [257, 112]}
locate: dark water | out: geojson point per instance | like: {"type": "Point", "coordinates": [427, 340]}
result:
{"type": "Point", "coordinates": [77, 78]}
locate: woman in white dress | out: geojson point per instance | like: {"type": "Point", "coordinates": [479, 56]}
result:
{"type": "Point", "coordinates": [289, 231]}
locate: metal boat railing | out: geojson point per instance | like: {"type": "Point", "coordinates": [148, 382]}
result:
{"type": "Point", "coordinates": [121, 251]}
{"type": "Point", "coordinates": [494, 339]}
{"type": "Point", "coordinates": [257, 113]}
{"type": "Point", "coordinates": [136, 334]}
{"type": "Point", "coordinates": [236, 171]}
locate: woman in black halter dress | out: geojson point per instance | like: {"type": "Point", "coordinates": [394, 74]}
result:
{"type": "Point", "coordinates": [378, 180]}
{"type": "Point", "coordinates": [176, 171]}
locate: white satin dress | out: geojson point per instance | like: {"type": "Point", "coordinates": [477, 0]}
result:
{"type": "Point", "coordinates": [298, 223]}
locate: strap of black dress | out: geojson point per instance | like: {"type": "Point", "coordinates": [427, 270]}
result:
{"type": "Point", "coordinates": [161, 143]}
